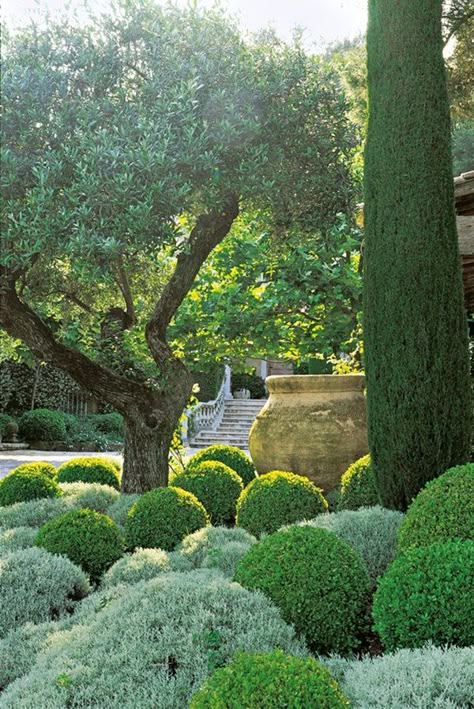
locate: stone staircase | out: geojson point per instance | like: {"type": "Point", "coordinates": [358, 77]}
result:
{"type": "Point", "coordinates": [233, 430]}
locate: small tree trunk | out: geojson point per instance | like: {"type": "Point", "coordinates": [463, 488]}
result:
{"type": "Point", "coordinates": [145, 454]}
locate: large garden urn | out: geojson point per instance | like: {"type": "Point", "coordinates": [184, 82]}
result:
{"type": "Point", "coordinates": [314, 425]}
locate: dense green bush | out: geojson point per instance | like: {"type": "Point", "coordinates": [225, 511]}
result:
{"type": "Point", "coordinates": [42, 425]}
{"type": "Point", "coordinates": [153, 646]}
{"type": "Point", "coordinates": [37, 586]}
{"type": "Point", "coordinates": [17, 538]}
{"type": "Point", "coordinates": [443, 511]}
{"type": "Point", "coordinates": [270, 681]}
{"type": "Point", "coordinates": [34, 513]}
{"type": "Point", "coordinates": [89, 470]}
{"type": "Point", "coordinates": [27, 484]}
{"type": "Point", "coordinates": [163, 517]}
{"type": "Point", "coordinates": [318, 581]}
{"type": "Point", "coordinates": [278, 498]}
{"type": "Point", "coordinates": [91, 495]}
{"type": "Point", "coordinates": [110, 424]}
{"type": "Point", "coordinates": [218, 548]}
{"type": "Point", "coordinates": [39, 466]}
{"type": "Point", "coordinates": [252, 382]}
{"type": "Point", "coordinates": [358, 486]}
{"type": "Point", "coordinates": [426, 594]}
{"type": "Point", "coordinates": [371, 531]}
{"type": "Point", "coordinates": [215, 485]}
{"type": "Point", "coordinates": [5, 419]}
{"type": "Point", "coordinates": [143, 565]}
{"type": "Point", "coordinates": [426, 678]}
{"type": "Point", "coordinates": [89, 539]}
{"type": "Point", "coordinates": [229, 455]}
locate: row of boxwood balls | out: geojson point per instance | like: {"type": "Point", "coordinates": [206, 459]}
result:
{"type": "Point", "coordinates": [319, 582]}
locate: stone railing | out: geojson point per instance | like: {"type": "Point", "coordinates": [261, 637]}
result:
{"type": "Point", "coordinates": [207, 416]}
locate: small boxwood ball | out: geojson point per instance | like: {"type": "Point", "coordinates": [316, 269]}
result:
{"type": "Point", "coordinates": [42, 425]}
{"type": "Point", "coordinates": [27, 484]}
{"type": "Point", "coordinates": [443, 511]}
{"type": "Point", "coordinates": [90, 539]}
{"type": "Point", "coordinates": [229, 455]}
{"type": "Point", "coordinates": [39, 466]}
{"type": "Point", "coordinates": [89, 470]}
{"type": "Point", "coordinates": [358, 487]}
{"type": "Point", "coordinates": [163, 517]}
{"type": "Point", "coordinates": [427, 595]}
{"type": "Point", "coordinates": [270, 681]}
{"type": "Point", "coordinates": [319, 583]}
{"type": "Point", "coordinates": [215, 485]}
{"type": "Point", "coordinates": [278, 498]}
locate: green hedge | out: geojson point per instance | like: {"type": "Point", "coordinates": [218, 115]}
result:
{"type": "Point", "coordinates": [27, 484]}
{"type": "Point", "coordinates": [42, 425]}
{"type": "Point", "coordinates": [427, 595]}
{"type": "Point", "coordinates": [163, 517]}
{"type": "Point", "coordinates": [443, 511]}
{"type": "Point", "coordinates": [89, 470]}
{"type": "Point", "coordinates": [39, 466]}
{"type": "Point", "coordinates": [318, 581]}
{"type": "Point", "coordinates": [278, 498]}
{"type": "Point", "coordinates": [215, 485]}
{"type": "Point", "coordinates": [270, 681]}
{"type": "Point", "coordinates": [90, 539]}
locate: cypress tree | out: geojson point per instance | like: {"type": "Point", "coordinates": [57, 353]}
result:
{"type": "Point", "coordinates": [415, 328]}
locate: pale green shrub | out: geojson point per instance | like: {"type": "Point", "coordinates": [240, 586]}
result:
{"type": "Point", "coordinates": [91, 495]}
{"type": "Point", "coordinates": [19, 648]}
{"type": "Point", "coordinates": [425, 678]}
{"type": "Point", "coordinates": [152, 647]}
{"type": "Point", "coordinates": [17, 538]}
{"type": "Point", "coordinates": [143, 565]}
{"type": "Point", "coordinates": [37, 586]}
{"type": "Point", "coordinates": [371, 531]}
{"type": "Point", "coordinates": [225, 558]}
{"type": "Point", "coordinates": [199, 545]}
{"type": "Point", "coordinates": [118, 510]}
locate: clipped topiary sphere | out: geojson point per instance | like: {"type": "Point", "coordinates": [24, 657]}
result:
{"type": "Point", "coordinates": [443, 511]}
{"type": "Point", "coordinates": [36, 586]}
{"type": "Point", "coordinates": [278, 498]}
{"type": "Point", "coordinates": [318, 581]}
{"type": "Point", "coordinates": [215, 485]}
{"type": "Point", "coordinates": [25, 485]}
{"type": "Point", "coordinates": [39, 466]}
{"type": "Point", "coordinates": [143, 565]}
{"type": "Point", "coordinates": [427, 594]}
{"type": "Point", "coordinates": [270, 681]}
{"type": "Point", "coordinates": [91, 495]}
{"type": "Point", "coordinates": [358, 487]}
{"type": "Point", "coordinates": [163, 517]}
{"type": "Point", "coordinates": [89, 470]}
{"type": "Point", "coordinates": [87, 538]}
{"type": "Point", "coordinates": [42, 425]}
{"type": "Point", "coordinates": [229, 455]}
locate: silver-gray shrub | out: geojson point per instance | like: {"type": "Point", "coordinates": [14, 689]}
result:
{"type": "Point", "coordinates": [143, 565]}
{"type": "Point", "coordinates": [202, 544]}
{"type": "Point", "coordinates": [19, 648]}
{"type": "Point", "coordinates": [153, 646]}
{"type": "Point", "coordinates": [34, 513]}
{"type": "Point", "coordinates": [371, 531]}
{"type": "Point", "coordinates": [225, 557]}
{"type": "Point", "coordinates": [91, 495]}
{"type": "Point", "coordinates": [36, 587]}
{"type": "Point", "coordinates": [118, 511]}
{"type": "Point", "coordinates": [16, 538]}
{"type": "Point", "coordinates": [425, 678]}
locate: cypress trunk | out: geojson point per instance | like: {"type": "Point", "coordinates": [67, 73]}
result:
{"type": "Point", "coordinates": [415, 328]}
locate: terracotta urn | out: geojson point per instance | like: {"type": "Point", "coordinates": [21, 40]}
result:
{"type": "Point", "coordinates": [313, 425]}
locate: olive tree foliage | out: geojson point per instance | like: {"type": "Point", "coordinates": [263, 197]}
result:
{"type": "Point", "coordinates": [129, 147]}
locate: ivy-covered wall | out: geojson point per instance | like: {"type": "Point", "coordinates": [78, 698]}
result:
{"type": "Point", "coordinates": [18, 392]}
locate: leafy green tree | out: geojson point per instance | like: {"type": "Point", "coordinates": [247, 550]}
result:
{"type": "Point", "coordinates": [415, 330]}
{"type": "Point", "coordinates": [129, 147]}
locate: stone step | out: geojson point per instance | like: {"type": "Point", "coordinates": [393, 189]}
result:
{"type": "Point", "coordinates": [210, 438]}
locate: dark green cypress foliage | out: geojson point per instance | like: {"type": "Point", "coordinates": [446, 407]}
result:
{"type": "Point", "coordinates": [416, 346]}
